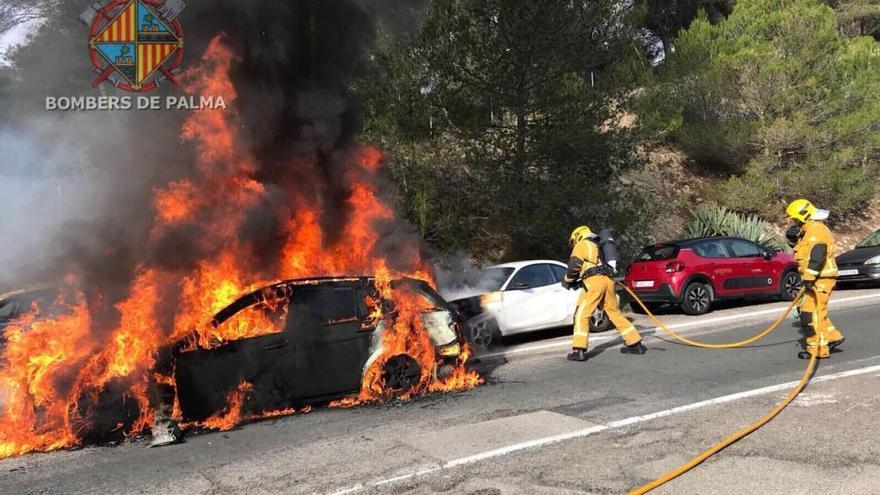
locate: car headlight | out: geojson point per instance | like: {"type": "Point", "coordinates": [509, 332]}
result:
{"type": "Point", "coordinates": [452, 350]}
{"type": "Point", "coordinates": [873, 261]}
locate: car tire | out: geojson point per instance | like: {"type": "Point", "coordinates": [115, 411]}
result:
{"type": "Point", "coordinates": [483, 332]}
{"type": "Point", "coordinates": [638, 309]}
{"type": "Point", "coordinates": [696, 299]}
{"type": "Point", "coordinates": [789, 285]}
{"type": "Point", "coordinates": [401, 373]}
{"type": "Point", "coordinates": [599, 321]}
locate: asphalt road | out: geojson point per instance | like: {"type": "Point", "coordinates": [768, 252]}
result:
{"type": "Point", "coordinates": [542, 424]}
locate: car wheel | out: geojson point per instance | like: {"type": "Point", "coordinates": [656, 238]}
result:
{"type": "Point", "coordinates": [483, 332]}
{"type": "Point", "coordinates": [697, 299]}
{"type": "Point", "coordinates": [401, 373]}
{"type": "Point", "coordinates": [789, 285]}
{"type": "Point", "coordinates": [599, 321]}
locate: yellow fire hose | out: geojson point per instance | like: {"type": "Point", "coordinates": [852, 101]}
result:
{"type": "Point", "coordinates": [760, 335]}
{"type": "Point", "coordinates": [733, 438]}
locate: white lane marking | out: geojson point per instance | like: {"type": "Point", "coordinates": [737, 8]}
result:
{"type": "Point", "coordinates": [566, 342]}
{"type": "Point", "coordinates": [584, 432]}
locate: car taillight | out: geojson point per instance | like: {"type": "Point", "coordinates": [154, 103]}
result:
{"type": "Point", "coordinates": [674, 266]}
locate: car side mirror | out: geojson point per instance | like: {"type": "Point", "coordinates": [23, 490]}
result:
{"type": "Point", "coordinates": [768, 255]}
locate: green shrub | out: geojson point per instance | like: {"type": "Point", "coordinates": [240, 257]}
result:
{"type": "Point", "coordinates": [716, 220]}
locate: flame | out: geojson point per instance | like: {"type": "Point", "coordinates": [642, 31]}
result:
{"type": "Point", "coordinates": [54, 366]}
{"type": "Point", "coordinates": [232, 415]}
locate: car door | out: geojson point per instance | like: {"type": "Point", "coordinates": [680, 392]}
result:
{"type": "Point", "coordinates": [531, 299]}
{"type": "Point", "coordinates": [716, 262]}
{"type": "Point", "coordinates": [752, 273]}
{"type": "Point", "coordinates": [332, 347]}
{"type": "Point", "coordinates": [206, 377]}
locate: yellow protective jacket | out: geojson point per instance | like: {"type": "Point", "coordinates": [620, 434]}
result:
{"type": "Point", "coordinates": [815, 252]}
{"type": "Point", "coordinates": [584, 256]}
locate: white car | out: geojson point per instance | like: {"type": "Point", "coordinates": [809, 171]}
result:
{"type": "Point", "coordinates": [517, 297]}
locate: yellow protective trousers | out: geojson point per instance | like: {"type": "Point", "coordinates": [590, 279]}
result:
{"type": "Point", "coordinates": [600, 289]}
{"type": "Point", "coordinates": [823, 330]}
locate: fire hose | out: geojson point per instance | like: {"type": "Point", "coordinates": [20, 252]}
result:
{"type": "Point", "coordinates": [743, 432]}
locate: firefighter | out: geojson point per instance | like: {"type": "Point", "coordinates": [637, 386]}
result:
{"type": "Point", "coordinates": [814, 252]}
{"type": "Point", "coordinates": [586, 268]}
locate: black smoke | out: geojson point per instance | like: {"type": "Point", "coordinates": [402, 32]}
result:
{"type": "Point", "coordinates": [296, 61]}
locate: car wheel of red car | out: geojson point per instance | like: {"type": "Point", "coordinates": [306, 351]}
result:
{"type": "Point", "coordinates": [789, 285]}
{"type": "Point", "coordinates": [401, 373]}
{"type": "Point", "coordinates": [697, 299]}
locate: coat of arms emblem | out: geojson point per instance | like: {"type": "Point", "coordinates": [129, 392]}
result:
{"type": "Point", "coordinates": [135, 44]}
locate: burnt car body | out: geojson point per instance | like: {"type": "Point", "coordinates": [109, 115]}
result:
{"type": "Point", "coordinates": [327, 342]}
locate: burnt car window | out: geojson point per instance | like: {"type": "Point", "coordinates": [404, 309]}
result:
{"type": "Point", "coordinates": [711, 249]}
{"type": "Point", "coordinates": [658, 252]}
{"type": "Point", "coordinates": [325, 305]}
{"type": "Point", "coordinates": [531, 277]}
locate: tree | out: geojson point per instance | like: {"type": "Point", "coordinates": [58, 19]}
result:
{"type": "Point", "coordinates": [858, 17]}
{"type": "Point", "coordinates": [500, 109]}
{"type": "Point", "coordinates": [665, 18]}
{"type": "Point", "coordinates": [776, 102]}
{"type": "Point", "coordinates": [16, 12]}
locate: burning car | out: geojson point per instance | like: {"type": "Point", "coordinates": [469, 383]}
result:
{"type": "Point", "coordinates": [326, 341]}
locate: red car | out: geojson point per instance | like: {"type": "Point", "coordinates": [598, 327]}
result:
{"type": "Point", "coordinates": [695, 273]}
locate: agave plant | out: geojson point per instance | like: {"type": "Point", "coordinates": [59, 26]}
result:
{"type": "Point", "coordinates": [715, 220]}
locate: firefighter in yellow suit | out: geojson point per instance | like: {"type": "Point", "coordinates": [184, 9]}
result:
{"type": "Point", "coordinates": [585, 267]}
{"type": "Point", "coordinates": [814, 253]}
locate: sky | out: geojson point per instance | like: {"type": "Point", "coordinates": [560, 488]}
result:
{"type": "Point", "coordinates": [15, 36]}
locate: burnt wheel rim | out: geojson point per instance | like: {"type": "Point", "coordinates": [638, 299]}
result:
{"type": "Point", "coordinates": [791, 285]}
{"type": "Point", "coordinates": [481, 333]}
{"type": "Point", "coordinates": [401, 373]}
{"type": "Point", "coordinates": [698, 298]}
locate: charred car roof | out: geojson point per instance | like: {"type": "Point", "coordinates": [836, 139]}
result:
{"type": "Point", "coordinates": [285, 288]}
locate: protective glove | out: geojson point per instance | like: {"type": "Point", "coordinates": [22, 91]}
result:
{"type": "Point", "coordinates": [809, 285]}
{"type": "Point", "coordinates": [570, 285]}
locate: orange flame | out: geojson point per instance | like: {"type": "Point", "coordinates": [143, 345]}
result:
{"type": "Point", "coordinates": [51, 365]}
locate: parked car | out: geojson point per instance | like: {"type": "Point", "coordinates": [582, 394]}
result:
{"type": "Point", "coordinates": [520, 297]}
{"type": "Point", "coordinates": [326, 344]}
{"type": "Point", "coordinates": [697, 272]}
{"type": "Point", "coordinates": [862, 264]}
{"type": "Point", "coordinates": [15, 304]}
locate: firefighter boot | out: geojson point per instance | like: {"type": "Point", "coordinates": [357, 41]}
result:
{"type": "Point", "coordinates": [835, 338]}
{"type": "Point", "coordinates": [816, 345]}
{"type": "Point", "coordinates": [165, 430]}
{"type": "Point", "coordinates": [577, 355]}
{"type": "Point", "coordinates": [637, 348]}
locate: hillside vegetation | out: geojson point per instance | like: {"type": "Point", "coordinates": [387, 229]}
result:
{"type": "Point", "coordinates": [509, 121]}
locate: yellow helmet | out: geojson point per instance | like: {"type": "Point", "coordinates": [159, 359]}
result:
{"type": "Point", "coordinates": [800, 209]}
{"type": "Point", "coordinates": [579, 234]}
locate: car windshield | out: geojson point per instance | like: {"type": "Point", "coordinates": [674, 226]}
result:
{"type": "Point", "coordinates": [491, 279]}
{"type": "Point", "coordinates": [872, 240]}
{"type": "Point", "coordinates": [659, 252]}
